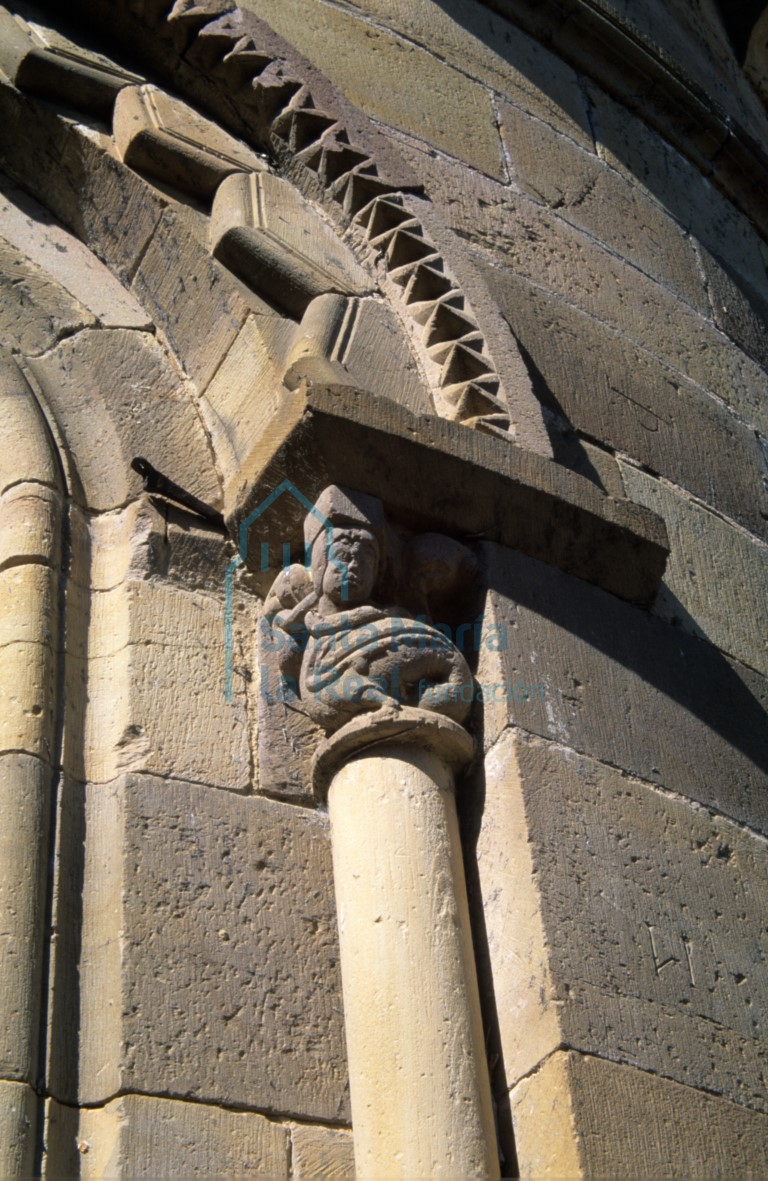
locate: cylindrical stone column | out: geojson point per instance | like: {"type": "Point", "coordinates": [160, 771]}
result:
{"type": "Point", "coordinates": [420, 1093]}
{"type": "Point", "coordinates": [30, 535]}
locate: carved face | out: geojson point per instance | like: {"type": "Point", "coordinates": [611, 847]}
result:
{"type": "Point", "coordinates": [349, 579]}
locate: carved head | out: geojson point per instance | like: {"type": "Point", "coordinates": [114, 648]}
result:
{"type": "Point", "coordinates": [347, 574]}
{"type": "Point", "coordinates": [345, 531]}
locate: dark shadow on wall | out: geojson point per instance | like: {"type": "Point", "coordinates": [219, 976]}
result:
{"type": "Point", "coordinates": [663, 705]}
{"type": "Point", "coordinates": [697, 725]}
{"type": "Point", "coordinates": [739, 19]}
{"type": "Point", "coordinates": [567, 447]}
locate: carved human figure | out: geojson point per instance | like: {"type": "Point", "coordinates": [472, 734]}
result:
{"type": "Point", "coordinates": [359, 654]}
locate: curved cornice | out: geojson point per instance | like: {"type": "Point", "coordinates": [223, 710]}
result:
{"type": "Point", "coordinates": [649, 83]}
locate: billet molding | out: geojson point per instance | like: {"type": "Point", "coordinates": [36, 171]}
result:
{"type": "Point", "coordinates": [527, 501]}
{"type": "Point", "coordinates": [316, 149]}
{"type": "Point", "coordinates": [157, 135]}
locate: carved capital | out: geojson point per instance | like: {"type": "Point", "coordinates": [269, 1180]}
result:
{"type": "Point", "coordinates": [351, 637]}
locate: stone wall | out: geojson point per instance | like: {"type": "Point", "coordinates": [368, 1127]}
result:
{"type": "Point", "coordinates": [173, 1003]}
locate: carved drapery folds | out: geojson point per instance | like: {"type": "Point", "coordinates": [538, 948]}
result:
{"type": "Point", "coordinates": [350, 638]}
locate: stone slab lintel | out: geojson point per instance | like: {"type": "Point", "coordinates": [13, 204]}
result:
{"type": "Point", "coordinates": [440, 475]}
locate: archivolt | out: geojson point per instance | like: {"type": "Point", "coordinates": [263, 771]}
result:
{"type": "Point", "coordinates": [231, 64]}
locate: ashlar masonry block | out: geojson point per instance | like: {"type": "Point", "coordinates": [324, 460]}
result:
{"type": "Point", "coordinates": [117, 395]}
{"type": "Point", "coordinates": [648, 943]}
{"type": "Point", "coordinates": [590, 195]}
{"type": "Point", "coordinates": [580, 1116]}
{"type": "Point", "coordinates": [572, 664]}
{"type": "Point", "coordinates": [67, 262]}
{"type": "Point", "coordinates": [625, 142]}
{"type": "Point", "coordinates": [715, 582]}
{"type": "Point", "coordinates": [202, 318]}
{"type": "Point", "coordinates": [35, 312]}
{"type": "Point", "coordinates": [482, 45]}
{"type": "Point", "coordinates": [322, 1152]}
{"type": "Point", "coordinates": [29, 521]}
{"type": "Point", "coordinates": [402, 84]}
{"type": "Point", "coordinates": [156, 701]}
{"type": "Point", "coordinates": [610, 389]}
{"type": "Point", "coordinates": [209, 961]}
{"type": "Point", "coordinates": [144, 1136]}
{"type": "Point", "coordinates": [100, 200]}
{"type": "Point", "coordinates": [18, 1123]}
{"type": "Point", "coordinates": [25, 796]}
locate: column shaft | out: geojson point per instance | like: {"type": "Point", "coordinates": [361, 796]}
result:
{"type": "Point", "coordinates": [421, 1103]}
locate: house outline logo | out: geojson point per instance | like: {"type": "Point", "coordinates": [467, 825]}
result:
{"type": "Point", "coordinates": [287, 486]}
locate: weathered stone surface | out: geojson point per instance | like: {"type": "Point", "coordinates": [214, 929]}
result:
{"type": "Point", "coordinates": [321, 1152]}
{"type": "Point", "coordinates": [738, 308]}
{"type": "Point", "coordinates": [108, 548]}
{"type": "Point", "coordinates": [547, 1139]}
{"type": "Point", "coordinates": [28, 228]}
{"type": "Point", "coordinates": [652, 913]}
{"type": "Point", "coordinates": [694, 43]}
{"type": "Point", "coordinates": [578, 666]}
{"type": "Point", "coordinates": [196, 554]}
{"type": "Point", "coordinates": [597, 464]}
{"type": "Point", "coordinates": [245, 388]}
{"type": "Point", "coordinates": [593, 197]}
{"type": "Point", "coordinates": [478, 486]}
{"type": "Point", "coordinates": [40, 60]}
{"type": "Point", "coordinates": [25, 787]}
{"type": "Point", "coordinates": [612, 390]}
{"type": "Point", "coordinates": [18, 1120]}
{"type": "Point", "coordinates": [95, 196]}
{"type": "Point", "coordinates": [402, 84]}
{"type": "Point", "coordinates": [582, 1116]}
{"type": "Point", "coordinates": [669, 331]}
{"type": "Point", "coordinates": [716, 577]}
{"type": "Point", "coordinates": [29, 525]}
{"type": "Point", "coordinates": [264, 231]}
{"type": "Point", "coordinates": [483, 45]}
{"type": "Point", "coordinates": [164, 137]}
{"type": "Point", "coordinates": [34, 311]}
{"type": "Point", "coordinates": [630, 146]}
{"type": "Point", "coordinates": [31, 459]}
{"type": "Point", "coordinates": [144, 635]}
{"type": "Point", "coordinates": [505, 903]}
{"type": "Point", "coordinates": [209, 958]}
{"type": "Point", "coordinates": [350, 340]}
{"type": "Point", "coordinates": [199, 307]}
{"type": "Point", "coordinates": [530, 245]}
{"type": "Point", "coordinates": [148, 539]}
{"type": "Point", "coordinates": [653, 84]}
{"type": "Point", "coordinates": [144, 1136]}
{"type": "Point", "coordinates": [116, 395]}
{"type": "Point", "coordinates": [27, 691]}
{"type": "Point", "coordinates": [28, 604]}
